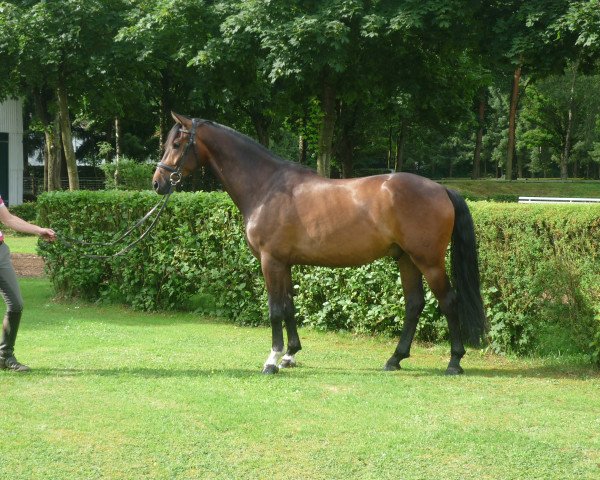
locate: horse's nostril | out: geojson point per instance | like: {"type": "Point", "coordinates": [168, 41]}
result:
{"type": "Point", "coordinates": [156, 185]}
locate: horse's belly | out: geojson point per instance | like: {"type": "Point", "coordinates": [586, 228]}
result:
{"type": "Point", "coordinates": [342, 250]}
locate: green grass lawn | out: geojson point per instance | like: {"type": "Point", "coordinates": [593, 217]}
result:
{"type": "Point", "coordinates": [526, 188]}
{"type": "Point", "coordinates": [116, 394]}
{"type": "Point", "coordinates": [21, 244]}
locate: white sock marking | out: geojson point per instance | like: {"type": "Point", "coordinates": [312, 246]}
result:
{"type": "Point", "coordinates": [273, 358]}
{"type": "Point", "coordinates": [289, 358]}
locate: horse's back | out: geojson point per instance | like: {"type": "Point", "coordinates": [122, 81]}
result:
{"type": "Point", "coordinates": [309, 219]}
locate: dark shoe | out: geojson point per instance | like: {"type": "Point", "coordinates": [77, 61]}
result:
{"type": "Point", "coordinates": [11, 363]}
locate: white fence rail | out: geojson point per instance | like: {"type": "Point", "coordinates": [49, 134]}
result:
{"type": "Point", "coordinates": [557, 200]}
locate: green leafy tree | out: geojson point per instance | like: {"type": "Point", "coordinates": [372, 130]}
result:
{"type": "Point", "coordinates": [231, 65]}
{"type": "Point", "coordinates": [22, 75]}
{"type": "Point", "coordinates": [161, 38]}
{"type": "Point", "coordinates": [553, 114]}
{"type": "Point", "coordinates": [525, 46]}
{"type": "Point", "coordinates": [581, 26]}
{"type": "Point", "coordinates": [57, 45]}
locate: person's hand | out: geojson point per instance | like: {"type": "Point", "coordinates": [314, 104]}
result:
{"type": "Point", "coordinates": [47, 234]}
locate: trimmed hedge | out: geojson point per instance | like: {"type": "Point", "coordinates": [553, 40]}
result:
{"type": "Point", "coordinates": [540, 268]}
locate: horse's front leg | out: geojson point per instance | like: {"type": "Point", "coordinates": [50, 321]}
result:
{"type": "Point", "coordinates": [289, 359]}
{"type": "Point", "coordinates": [278, 279]}
{"type": "Point", "coordinates": [412, 285]}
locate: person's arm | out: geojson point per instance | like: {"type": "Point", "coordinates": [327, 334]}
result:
{"type": "Point", "coordinates": [20, 225]}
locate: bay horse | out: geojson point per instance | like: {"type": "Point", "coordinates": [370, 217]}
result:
{"type": "Point", "coordinates": [292, 216]}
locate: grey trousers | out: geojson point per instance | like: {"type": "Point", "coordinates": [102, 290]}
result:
{"type": "Point", "coordinates": [10, 291]}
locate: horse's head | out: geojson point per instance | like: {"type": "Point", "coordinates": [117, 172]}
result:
{"type": "Point", "coordinates": [181, 155]}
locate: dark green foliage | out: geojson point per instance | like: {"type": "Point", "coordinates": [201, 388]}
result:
{"type": "Point", "coordinates": [27, 211]}
{"type": "Point", "coordinates": [131, 175]}
{"type": "Point", "coordinates": [539, 267]}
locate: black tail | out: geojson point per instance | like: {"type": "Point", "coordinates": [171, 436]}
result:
{"type": "Point", "coordinates": [465, 272]}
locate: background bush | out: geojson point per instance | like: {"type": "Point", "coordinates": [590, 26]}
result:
{"type": "Point", "coordinates": [132, 175]}
{"type": "Point", "coordinates": [540, 268]}
{"type": "Point", "coordinates": [27, 211]}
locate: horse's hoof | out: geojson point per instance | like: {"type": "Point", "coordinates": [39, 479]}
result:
{"type": "Point", "coordinates": [454, 371]}
{"type": "Point", "coordinates": [287, 363]}
{"type": "Point", "coordinates": [270, 369]}
{"type": "Point", "coordinates": [391, 367]}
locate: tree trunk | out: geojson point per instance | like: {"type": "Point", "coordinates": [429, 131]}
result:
{"type": "Point", "coordinates": [512, 123]}
{"type": "Point", "coordinates": [564, 161]}
{"type": "Point", "coordinates": [347, 117]}
{"type": "Point", "coordinates": [46, 155]}
{"type": "Point", "coordinates": [67, 138]}
{"type": "Point", "coordinates": [262, 126]}
{"type": "Point", "coordinates": [117, 151]}
{"type": "Point", "coordinates": [520, 156]}
{"type": "Point", "coordinates": [588, 171]}
{"type": "Point", "coordinates": [544, 156]}
{"type": "Point", "coordinates": [55, 157]}
{"type": "Point", "coordinates": [479, 138]}
{"type": "Point", "coordinates": [326, 131]}
{"type": "Point", "coordinates": [164, 113]}
{"type": "Point", "coordinates": [117, 138]}
{"type": "Point", "coordinates": [52, 147]}
{"type": "Point", "coordinates": [42, 114]}
{"type": "Point", "coordinates": [302, 149]}
{"type": "Point", "coordinates": [347, 156]}
{"type": "Point", "coordinates": [390, 146]}
{"type": "Point", "coordinates": [400, 142]}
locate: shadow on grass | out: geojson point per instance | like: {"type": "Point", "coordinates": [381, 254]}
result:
{"type": "Point", "coordinates": [144, 372]}
{"type": "Point", "coordinates": [570, 372]}
{"type": "Point", "coordinates": [552, 372]}
{"type": "Point", "coordinates": [562, 372]}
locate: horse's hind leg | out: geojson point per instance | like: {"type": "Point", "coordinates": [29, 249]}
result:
{"type": "Point", "coordinates": [278, 280]}
{"type": "Point", "coordinates": [412, 286]}
{"type": "Point", "coordinates": [438, 281]}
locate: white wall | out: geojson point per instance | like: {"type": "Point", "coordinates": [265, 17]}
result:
{"type": "Point", "coordinates": [11, 122]}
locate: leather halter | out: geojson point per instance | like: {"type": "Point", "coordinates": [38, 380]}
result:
{"type": "Point", "coordinates": [176, 176]}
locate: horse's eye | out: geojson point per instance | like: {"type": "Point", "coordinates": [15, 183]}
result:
{"type": "Point", "coordinates": [176, 145]}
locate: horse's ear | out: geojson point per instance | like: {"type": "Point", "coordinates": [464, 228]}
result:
{"type": "Point", "coordinates": [182, 119]}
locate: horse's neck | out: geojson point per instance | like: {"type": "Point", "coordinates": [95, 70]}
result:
{"type": "Point", "coordinates": [243, 168]}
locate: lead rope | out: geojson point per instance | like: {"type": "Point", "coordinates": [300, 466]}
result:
{"type": "Point", "coordinates": [72, 242]}
{"type": "Point", "coordinates": [175, 178]}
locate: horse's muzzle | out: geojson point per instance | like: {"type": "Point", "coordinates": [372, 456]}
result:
{"type": "Point", "coordinates": [161, 187]}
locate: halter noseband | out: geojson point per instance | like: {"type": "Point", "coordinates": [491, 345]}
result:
{"type": "Point", "coordinates": [176, 176]}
